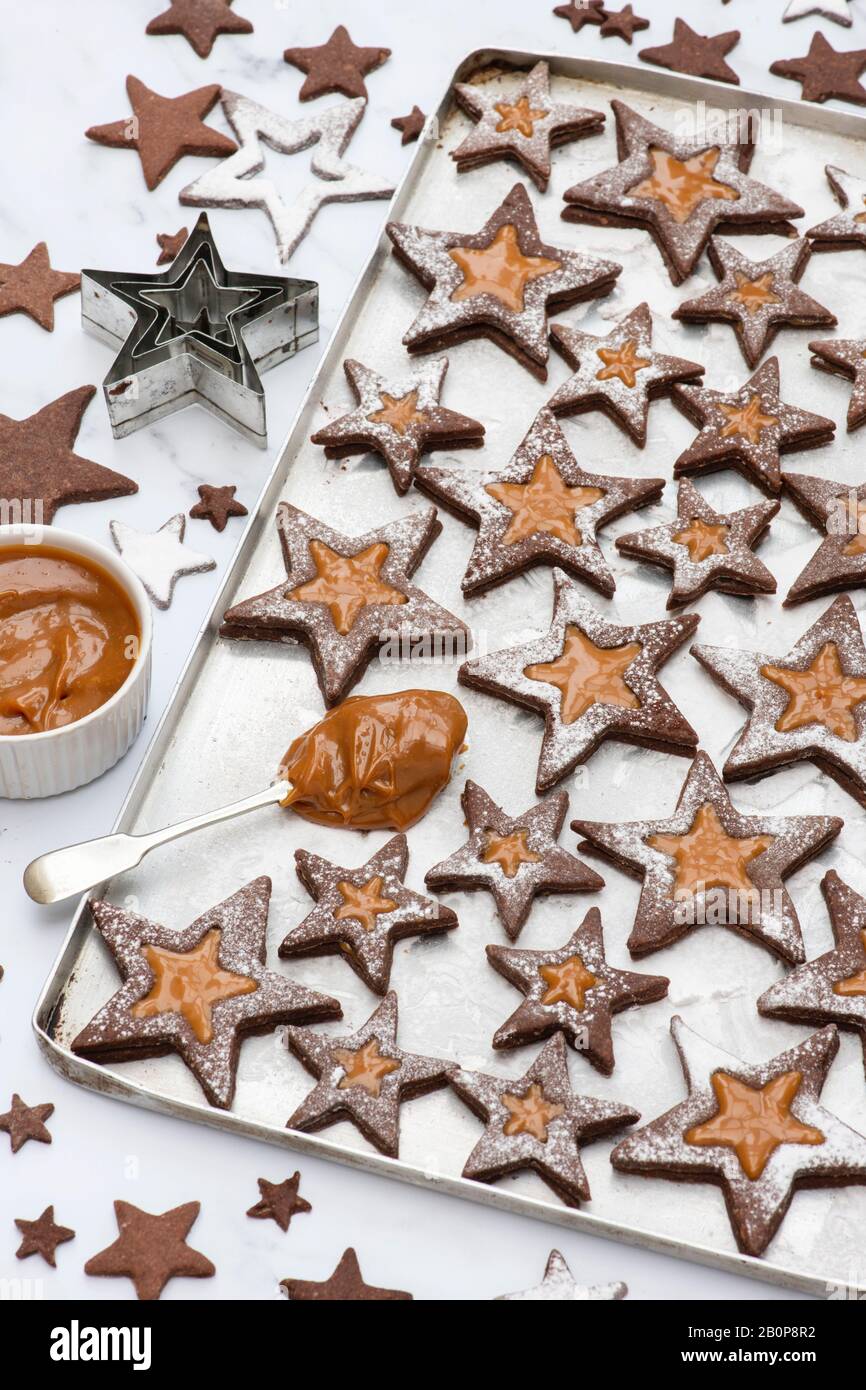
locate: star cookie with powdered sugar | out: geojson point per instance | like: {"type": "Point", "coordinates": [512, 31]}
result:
{"type": "Point", "coordinates": [839, 510]}
{"type": "Point", "coordinates": [560, 1286]}
{"type": "Point", "coordinates": [159, 558]}
{"type": "Point", "coordinates": [846, 228]}
{"type": "Point", "coordinates": [845, 357]}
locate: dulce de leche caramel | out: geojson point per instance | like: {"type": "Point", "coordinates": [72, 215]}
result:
{"type": "Point", "coordinates": [69, 637]}
{"type": "Point", "coordinates": [375, 762]}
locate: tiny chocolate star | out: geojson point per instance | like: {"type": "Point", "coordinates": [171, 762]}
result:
{"type": "Point", "coordinates": [164, 129]}
{"type": "Point", "coordinates": [409, 126]}
{"type": "Point", "coordinates": [839, 510]}
{"type": "Point", "coordinates": [336, 66]}
{"type": "Point", "coordinates": [580, 12]}
{"type": "Point", "coordinates": [846, 228]}
{"type": "Point", "coordinates": [622, 24]}
{"type": "Point", "coordinates": [559, 1285]}
{"type": "Point", "coordinates": [280, 1201]}
{"type": "Point", "coordinates": [31, 287]}
{"type": "Point", "coordinates": [824, 72]}
{"type": "Point", "coordinates": [200, 22]}
{"type": "Point", "coordinates": [42, 1237]}
{"type": "Point", "coordinates": [22, 1122]}
{"type": "Point", "coordinates": [845, 357]}
{"type": "Point", "coordinates": [152, 1249]}
{"type": "Point", "coordinates": [217, 505]}
{"type": "Point", "coordinates": [695, 54]}
{"type": "Point", "coordinates": [170, 245]}
{"type": "Point", "coordinates": [345, 1285]}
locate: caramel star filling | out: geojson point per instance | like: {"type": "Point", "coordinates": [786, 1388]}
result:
{"type": "Point", "coordinates": [567, 983]}
{"type": "Point", "coordinates": [189, 983]}
{"type": "Point", "coordinates": [855, 985]}
{"type": "Point", "coordinates": [703, 539]}
{"type": "Point", "coordinates": [347, 583]}
{"type": "Point", "coordinates": [707, 857]}
{"type": "Point", "coordinates": [822, 694]}
{"type": "Point", "coordinates": [748, 420]}
{"type": "Point", "coordinates": [621, 363]}
{"type": "Point", "coordinates": [754, 1120]}
{"type": "Point", "coordinates": [509, 851]}
{"type": "Point", "coordinates": [861, 216]}
{"type": "Point", "coordinates": [520, 117]}
{"type": "Point", "coordinates": [544, 504]}
{"type": "Point", "coordinates": [753, 295]}
{"type": "Point", "coordinates": [366, 1068]}
{"type": "Point", "coordinates": [363, 904]}
{"type": "Point", "coordinates": [530, 1113]}
{"type": "Point", "coordinates": [500, 269]}
{"type": "Point", "coordinates": [399, 413]}
{"type": "Point", "coordinates": [682, 185]}
{"type": "Point", "coordinates": [857, 524]}
{"type": "Point", "coordinates": [587, 675]}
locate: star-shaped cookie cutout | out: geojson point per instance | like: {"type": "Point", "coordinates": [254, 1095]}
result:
{"type": "Point", "coordinates": [199, 22]}
{"type": "Point", "coordinates": [757, 1130]}
{"type": "Point", "coordinates": [170, 244]}
{"type": "Point", "coordinates": [622, 24]}
{"type": "Point", "coordinates": [164, 129]}
{"type": "Point", "coordinates": [559, 1285]}
{"type": "Point", "coordinates": [399, 417]}
{"type": "Point", "coordinates": [536, 1122]}
{"type": "Point", "coordinates": [571, 990]}
{"type": "Point", "coordinates": [839, 510]}
{"type": "Point", "coordinates": [804, 706]}
{"type": "Point", "coordinates": [279, 1201]}
{"type": "Point", "coordinates": [846, 228]}
{"type": "Point", "coordinates": [581, 12]}
{"type": "Point", "coordinates": [541, 508]}
{"type": "Point", "coordinates": [361, 913]}
{"type": "Point", "coordinates": [747, 429]}
{"type": "Point", "coordinates": [159, 558]}
{"type": "Point", "coordinates": [345, 1285]}
{"type": "Point", "coordinates": [217, 505]}
{"type": "Point", "coordinates": [363, 1078]}
{"type": "Point", "coordinates": [498, 283]}
{"type": "Point", "coordinates": [698, 55]}
{"type": "Point", "coordinates": [837, 10]}
{"type": "Point", "coordinates": [845, 357]}
{"type": "Point", "coordinates": [42, 1237]}
{"type": "Point", "coordinates": [32, 286]}
{"type": "Point", "coordinates": [410, 126]}
{"type": "Point", "coordinates": [198, 991]}
{"type": "Point", "coordinates": [757, 297]}
{"type": "Point", "coordinates": [347, 596]}
{"type": "Point", "coordinates": [680, 188]}
{"type": "Point", "coordinates": [336, 66]}
{"type": "Point", "coordinates": [619, 373]}
{"type": "Point", "coordinates": [22, 1122]}
{"type": "Point", "coordinates": [522, 124]}
{"type": "Point", "coordinates": [512, 857]}
{"type": "Point", "coordinates": [705, 549]}
{"type": "Point", "coordinates": [710, 864]}
{"type": "Point", "coordinates": [39, 467]}
{"type": "Point", "coordinates": [824, 72]}
{"type": "Point", "coordinates": [152, 1249]}
{"type": "Point", "coordinates": [591, 679]}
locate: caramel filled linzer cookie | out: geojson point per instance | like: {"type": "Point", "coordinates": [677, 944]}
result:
{"type": "Point", "coordinates": [399, 417]}
{"type": "Point", "coordinates": [747, 429]}
{"type": "Point", "coordinates": [523, 124]}
{"type": "Point", "coordinates": [361, 913]}
{"type": "Point", "coordinates": [710, 864]}
{"type": "Point", "coordinates": [591, 679]}
{"type": "Point", "coordinates": [831, 989]}
{"type": "Point", "coordinates": [845, 357]}
{"type": "Point", "coordinates": [705, 549]}
{"type": "Point", "coordinates": [539, 508]}
{"type": "Point", "coordinates": [347, 596]}
{"type": "Point", "coordinates": [680, 189]}
{"type": "Point", "coordinates": [839, 510]}
{"type": "Point", "coordinates": [804, 706]}
{"type": "Point", "coordinates": [757, 1130]}
{"type": "Point", "coordinates": [571, 990]}
{"type": "Point", "coordinates": [364, 1078]}
{"type": "Point", "coordinates": [536, 1122]}
{"type": "Point", "coordinates": [846, 229]}
{"type": "Point", "coordinates": [499, 283]}
{"type": "Point", "coordinates": [512, 857]}
{"type": "Point", "coordinates": [757, 297]}
{"type": "Point", "coordinates": [197, 992]}
{"type": "Point", "coordinates": [618, 373]}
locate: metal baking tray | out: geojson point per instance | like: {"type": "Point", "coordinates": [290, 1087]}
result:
{"type": "Point", "coordinates": [237, 706]}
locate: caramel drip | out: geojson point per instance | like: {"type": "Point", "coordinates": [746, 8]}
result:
{"type": "Point", "coordinates": [347, 583]}
{"type": "Point", "coordinates": [747, 420]}
{"type": "Point", "coordinates": [703, 539]}
{"type": "Point", "coordinates": [530, 1113]}
{"type": "Point", "coordinates": [500, 269]}
{"type": "Point", "coordinates": [189, 983]}
{"type": "Point", "coordinates": [544, 504]}
{"type": "Point", "coordinates": [567, 983]}
{"type": "Point", "coordinates": [682, 185]}
{"type": "Point", "coordinates": [366, 1068]}
{"type": "Point", "coordinates": [621, 363]}
{"type": "Point", "coordinates": [754, 1120]}
{"type": "Point", "coordinates": [707, 857]}
{"type": "Point", "coordinates": [753, 295]}
{"type": "Point", "coordinates": [399, 413]}
{"type": "Point", "coordinates": [822, 694]}
{"type": "Point", "coordinates": [509, 851]}
{"type": "Point", "coordinates": [520, 117]}
{"type": "Point", "coordinates": [587, 675]}
{"type": "Point", "coordinates": [855, 985]}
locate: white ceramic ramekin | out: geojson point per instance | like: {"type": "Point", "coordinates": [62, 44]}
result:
{"type": "Point", "coordinates": [57, 760]}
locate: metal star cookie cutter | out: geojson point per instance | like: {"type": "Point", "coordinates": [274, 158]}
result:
{"type": "Point", "coordinates": [196, 333]}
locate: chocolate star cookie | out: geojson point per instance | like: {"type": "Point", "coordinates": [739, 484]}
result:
{"type": "Point", "coordinates": [705, 549]}
{"type": "Point", "coordinates": [804, 706]}
{"type": "Point", "coordinates": [399, 417]}
{"type": "Point", "coordinates": [169, 244]}
{"type": "Point", "coordinates": [499, 283]}
{"type": "Point", "coordinates": [42, 1237]}
{"type": "Point", "coordinates": [592, 680]}
{"type": "Point", "coordinates": [536, 1122]}
{"type": "Point", "coordinates": [559, 1285]}
{"type": "Point", "coordinates": [824, 72]}
{"type": "Point", "coordinates": [839, 510]}
{"type": "Point", "coordinates": [364, 1078]}
{"type": "Point", "coordinates": [32, 287]}
{"type": "Point", "coordinates": [216, 506]}
{"type": "Point", "coordinates": [845, 357]}
{"type": "Point", "coordinates": [512, 857]}
{"type": "Point", "coordinates": [580, 12]}
{"type": "Point", "coordinates": [361, 913]}
{"type": "Point", "coordinates": [757, 1130]}
{"type": "Point", "coordinates": [280, 1201]}
{"type": "Point", "coordinates": [709, 864]}
{"type": "Point", "coordinates": [347, 596]}
{"type": "Point", "coordinates": [698, 55]}
{"type": "Point", "coordinates": [523, 125]}
{"type": "Point", "coordinates": [679, 189]}
{"type": "Point", "coordinates": [410, 126]}
{"type": "Point", "coordinates": [152, 1249]}
{"type": "Point", "coordinates": [572, 991]}
{"type": "Point", "coordinates": [164, 129]}
{"type": "Point", "coordinates": [757, 297]}
{"type": "Point", "coordinates": [197, 992]}
{"type": "Point", "coordinates": [345, 1285]}
{"type": "Point", "coordinates": [199, 22]}
{"type": "Point", "coordinates": [747, 429]}
{"type": "Point", "coordinates": [336, 66]}
{"type": "Point", "coordinates": [622, 24]}
{"type": "Point", "coordinates": [541, 508]}
{"type": "Point", "coordinates": [845, 229]}
{"type": "Point", "coordinates": [618, 373]}
{"type": "Point", "coordinates": [22, 1122]}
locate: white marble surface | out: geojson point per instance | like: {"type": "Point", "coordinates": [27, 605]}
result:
{"type": "Point", "coordinates": [91, 206]}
